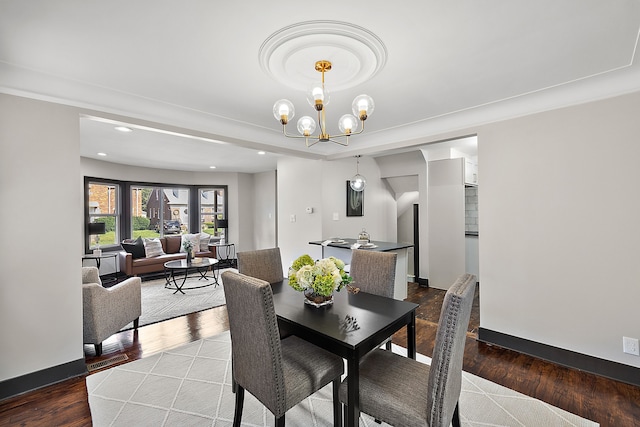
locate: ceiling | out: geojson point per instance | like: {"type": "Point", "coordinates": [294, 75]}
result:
{"type": "Point", "coordinates": [212, 70]}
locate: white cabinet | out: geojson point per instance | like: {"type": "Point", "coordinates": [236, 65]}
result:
{"type": "Point", "coordinates": [470, 172]}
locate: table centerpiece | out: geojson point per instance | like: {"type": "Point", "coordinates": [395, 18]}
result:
{"type": "Point", "coordinates": [318, 280]}
{"type": "Point", "coordinates": [188, 246]}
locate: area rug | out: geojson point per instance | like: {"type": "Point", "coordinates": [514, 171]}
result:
{"type": "Point", "coordinates": [160, 303]}
{"type": "Point", "coordinates": [191, 386]}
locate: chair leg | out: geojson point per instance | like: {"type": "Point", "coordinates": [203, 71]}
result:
{"type": "Point", "coordinates": [136, 323]}
{"type": "Point", "coordinates": [98, 349]}
{"type": "Point", "coordinates": [388, 345]}
{"type": "Point", "coordinates": [280, 421]}
{"type": "Point", "coordinates": [456, 417]}
{"type": "Point", "coordinates": [337, 406]}
{"type": "Point", "coordinates": [237, 416]}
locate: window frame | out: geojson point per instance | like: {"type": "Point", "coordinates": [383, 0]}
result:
{"type": "Point", "coordinates": [124, 220]}
{"type": "Point", "coordinates": [88, 215]}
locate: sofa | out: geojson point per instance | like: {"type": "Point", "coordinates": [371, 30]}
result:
{"type": "Point", "coordinates": [142, 256]}
{"type": "Point", "coordinates": [106, 311]}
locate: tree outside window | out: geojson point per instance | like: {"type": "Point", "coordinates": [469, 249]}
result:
{"type": "Point", "coordinates": [104, 207]}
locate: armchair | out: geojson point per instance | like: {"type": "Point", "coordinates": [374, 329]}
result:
{"type": "Point", "coordinates": [107, 310]}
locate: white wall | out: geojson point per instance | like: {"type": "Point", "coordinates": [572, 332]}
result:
{"type": "Point", "coordinates": [40, 292]}
{"type": "Point", "coordinates": [265, 210]}
{"type": "Point", "coordinates": [559, 240]}
{"type": "Point", "coordinates": [406, 164]}
{"type": "Point", "coordinates": [446, 222]}
{"type": "Point", "coordinates": [246, 204]}
{"type": "Point", "coordinates": [322, 186]}
{"type": "Point", "coordinates": [379, 212]}
{"type": "Point", "coordinates": [299, 186]}
{"type": "Point", "coordinates": [406, 226]}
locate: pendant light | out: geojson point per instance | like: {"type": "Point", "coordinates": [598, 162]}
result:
{"type": "Point", "coordinates": [318, 97]}
{"type": "Point", "coordinates": [358, 182]}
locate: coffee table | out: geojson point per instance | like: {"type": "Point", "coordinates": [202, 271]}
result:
{"type": "Point", "coordinates": [180, 266]}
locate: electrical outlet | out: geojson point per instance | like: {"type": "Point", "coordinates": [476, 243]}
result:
{"type": "Point", "coordinates": [336, 216]}
{"type": "Point", "coordinates": [292, 218]}
{"type": "Point", "coordinates": [630, 346]}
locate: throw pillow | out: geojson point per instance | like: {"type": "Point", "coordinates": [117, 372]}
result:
{"type": "Point", "coordinates": [135, 248]}
{"type": "Point", "coordinates": [193, 238]}
{"type": "Point", "coordinates": [204, 242]}
{"type": "Point", "coordinates": [153, 247]}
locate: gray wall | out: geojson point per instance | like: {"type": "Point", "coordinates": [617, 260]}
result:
{"type": "Point", "coordinates": [558, 238]}
{"type": "Point", "coordinates": [40, 292]}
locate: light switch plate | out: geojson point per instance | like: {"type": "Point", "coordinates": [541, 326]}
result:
{"type": "Point", "coordinates": [630, 346]}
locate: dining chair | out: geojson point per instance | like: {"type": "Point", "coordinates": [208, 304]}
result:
{"type": "Point", "coordinates": [279, 373]}
{"type": "Point", "coordinates": [403, 392]}
{"type": "Point", "coordinates": [374, 273]}
{"type": "Point", "coordinates": [264, 264]}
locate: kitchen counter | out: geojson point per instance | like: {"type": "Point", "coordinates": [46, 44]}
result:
{"type": "Point", "coordinates": [380, 246]}
{"type": "Point", "coordinates": [343, 251]}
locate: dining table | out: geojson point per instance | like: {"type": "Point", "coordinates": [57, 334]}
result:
{"type": "Point", "coordinates": [351, 327]}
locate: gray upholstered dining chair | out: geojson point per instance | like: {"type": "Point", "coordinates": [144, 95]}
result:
{"type": "Point", "coordinates": [279, 373]}
{"type": "Point", "coordinates": [264, 264]}
{"type": "Point", "coordinates": [374, 273]}
{"type": "Point", "coordinates": [404, 392]}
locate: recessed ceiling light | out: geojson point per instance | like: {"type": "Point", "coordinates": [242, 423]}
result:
{"type": "Point", "coordinates": [123, 129]}
{"type": "Point", "coordinates": [262, 153]}
{"type": "Point", "coordinates": [212, 167]}
{"type": "Point", "coordinates": [102, 154]}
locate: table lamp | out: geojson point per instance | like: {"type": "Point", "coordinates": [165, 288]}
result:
{"type": "Point", "coordinates": [96, 229]}
{"type": "Point", "coordinates": [222, 223]}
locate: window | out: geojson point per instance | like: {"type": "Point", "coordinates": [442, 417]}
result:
{"type": "Point", "coordinates": [212, 206]}
{"type": "Point", "coordinates": [130, 210]}
{"type": "Point", "coordinates": [103, 206]}
{"type": "Point", "coordinates": [156, 211]}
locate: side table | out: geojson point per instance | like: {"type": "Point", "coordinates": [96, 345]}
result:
{"type": "Point", "coordinates": [228, 258]}
{"type": "Point", "coordinates": [99, 258]}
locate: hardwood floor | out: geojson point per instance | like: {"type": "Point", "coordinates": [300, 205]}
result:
{"type": "Point", "coordinates": [610, 403]}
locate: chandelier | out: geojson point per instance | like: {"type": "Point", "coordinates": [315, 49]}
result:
{"type": "Point", "coordinates": [318, 98]}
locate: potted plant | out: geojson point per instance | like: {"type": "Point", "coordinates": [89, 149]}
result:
{"type": "Point", "coordinates": [188, 246]}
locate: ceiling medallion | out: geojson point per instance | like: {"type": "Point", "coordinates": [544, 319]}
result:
{"type": "Point", "coordinates": [288, 54]}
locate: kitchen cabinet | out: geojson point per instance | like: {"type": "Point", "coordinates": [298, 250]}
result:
{"type": "Point", "coordinates": [470, 172]}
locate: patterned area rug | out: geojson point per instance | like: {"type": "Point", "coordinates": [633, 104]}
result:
{"type": "Point", "coordinates": [160, 303]}
{"type": "Point", "coordinates": [191, 385]}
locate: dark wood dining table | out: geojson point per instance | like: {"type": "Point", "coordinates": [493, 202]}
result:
{"type": "Point", "coordinates": [377, 319]}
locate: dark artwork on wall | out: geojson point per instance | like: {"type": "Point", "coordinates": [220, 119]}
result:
{"type": "Point", "coordinates": [355, 201]}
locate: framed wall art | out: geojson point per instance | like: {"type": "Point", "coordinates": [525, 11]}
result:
{"type": "Point", "coordinates": [355, 202]}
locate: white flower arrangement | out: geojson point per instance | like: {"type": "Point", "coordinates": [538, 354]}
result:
{"type": "Point", "coordinates": [323, 277]}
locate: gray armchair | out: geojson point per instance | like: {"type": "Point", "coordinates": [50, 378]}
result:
{"type": "Point", "coordinates": [264, 264]}
{"type": "Point", "coordinates": [404, 392]}
{"type": "Point", "coordinates": [107, 310]}
{"type": "Point", "coordinates": [279, 373]}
